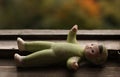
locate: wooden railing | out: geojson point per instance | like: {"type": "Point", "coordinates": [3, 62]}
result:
{"type": "Point", "coordinates": [8, 46]}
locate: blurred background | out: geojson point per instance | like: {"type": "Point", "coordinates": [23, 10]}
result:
{"type": "Point", "coordinates": [59, 14]}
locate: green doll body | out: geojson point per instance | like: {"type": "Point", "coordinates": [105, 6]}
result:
{"type": "Point", "coordinates": [46, 53]}
{"type": "Point", "coordinates": [56, 53]}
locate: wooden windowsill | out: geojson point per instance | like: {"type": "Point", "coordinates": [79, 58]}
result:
{"type": "Point", "coordinates": [8, 46]}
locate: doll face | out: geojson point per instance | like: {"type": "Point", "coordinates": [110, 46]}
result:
{"type": "Point", "coordinates": [95, 53]}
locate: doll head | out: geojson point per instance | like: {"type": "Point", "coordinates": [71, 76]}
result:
{"type": "Point", "coordinates": [96, 54]}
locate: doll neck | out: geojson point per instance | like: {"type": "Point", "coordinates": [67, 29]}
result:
{"type": "Point", "coordinates": [84, 52]}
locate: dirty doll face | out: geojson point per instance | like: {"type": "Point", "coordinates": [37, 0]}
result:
{"type": "Point", "coordinates": [97, 54]}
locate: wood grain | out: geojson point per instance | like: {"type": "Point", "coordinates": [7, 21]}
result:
{"type": "Point", "coordinates": [110, 44]}
{"type": "Point", "coordinates": [8, 69]}
{"type": "Point", "coordinates": [58, 34]}
{"type": "Point", "coordinates": [8, 46]}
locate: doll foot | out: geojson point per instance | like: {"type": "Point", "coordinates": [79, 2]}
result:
{"type": "Point", "coordinates": [20, 43]}
{"type": "Point", "coordinates": [74, 28]}
{"type": "Point", "coordinates": [18, 59]}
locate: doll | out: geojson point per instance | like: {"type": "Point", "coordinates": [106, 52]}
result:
{"type": "Point", "coordinates": [45, 53]}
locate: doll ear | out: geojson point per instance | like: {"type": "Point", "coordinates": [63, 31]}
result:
{"type": "Point", "coordinates": [100, 49]}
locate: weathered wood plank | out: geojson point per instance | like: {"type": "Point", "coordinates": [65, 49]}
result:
{"type": "Point", "coordinates": [110, 69]}
{"type": "Point", "coordinates": [110, 44]}
{"type": "Point", "coordinates": [58, 34]}
{"type": "Point", "coordinates": [8, 46]}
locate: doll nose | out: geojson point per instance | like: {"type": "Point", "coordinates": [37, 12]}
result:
{"type": "Point", "coordinates": [92, 44]}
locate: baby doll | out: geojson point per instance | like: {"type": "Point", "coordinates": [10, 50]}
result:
{"type": "Point", "coordinates": [45, 53]}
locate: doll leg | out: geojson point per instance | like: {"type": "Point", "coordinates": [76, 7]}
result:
{"type": "Point", "coordinates": [33, 45]}
{"type": "Point", "coordinates": [39, 58]}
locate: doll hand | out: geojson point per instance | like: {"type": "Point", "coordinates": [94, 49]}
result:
{"type": "Point", "coordinates": [74, 28]}
{"type": "Point", "coordinates": [74, 66]}
{"type": "Point", "coordinates": [72, 63]}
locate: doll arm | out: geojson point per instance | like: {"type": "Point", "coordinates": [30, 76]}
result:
{"type": "Point", "coordinates": [72, 63]}
{"type": "Point", "coordinates": [71, 38]}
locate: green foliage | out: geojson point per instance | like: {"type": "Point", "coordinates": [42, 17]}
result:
{"type": "Point", "coordinates": [59, 14]}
